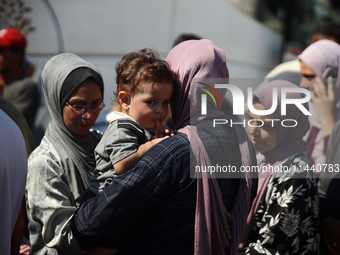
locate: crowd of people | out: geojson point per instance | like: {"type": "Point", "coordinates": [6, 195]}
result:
{"type": "Point", "coordinates": [135, 188]}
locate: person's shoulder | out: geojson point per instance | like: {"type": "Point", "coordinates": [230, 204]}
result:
{"type": "Point", "coordinates": [297, 169]}
{"type": "Point", "coordinates": [299, 159]}
{"type": "Point", "coordinates": [97, 134]}
{"type": "Point", "coordinates": [125, 129]}
{"type": "Point", "coordinates": [336, 130]}
{"type": "Point", "coordinates": [119, 121]}
{"type": "Point", "coordinates": [27, 85]}
{"type": "Point", "coordinates": [27, 81]}
{"type": "Point", "coordinates": [289, 66]}
{"type": "Point", "coordinates": [31, 83]}
{"type": "Point", "coordinates": [169, 158]}
{"type": "Point", "coordinates": [174, 146]}
{"type": "Point", "coordinates": [179, 139]}
{"type": "Point", "coordinates": [223, 131]}
{"type": "Point", "coordinates": [129, 124]}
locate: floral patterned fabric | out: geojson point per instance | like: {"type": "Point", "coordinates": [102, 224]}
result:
{"type": "Point", "coordinates": [288, 216]}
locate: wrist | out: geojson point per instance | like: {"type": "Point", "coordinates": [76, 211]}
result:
{"type": "Point", "coordinates": [327, 127]}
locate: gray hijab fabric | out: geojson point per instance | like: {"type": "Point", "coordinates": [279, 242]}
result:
{"type": "Point", "coordinates": [76, 152]}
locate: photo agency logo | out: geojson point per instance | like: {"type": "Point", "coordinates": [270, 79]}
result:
{"type": "Point", "coordinates": [238, 105]}
{"type": "Point", "coordinates": [204, 106]}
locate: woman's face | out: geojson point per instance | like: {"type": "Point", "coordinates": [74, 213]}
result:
{"type": "Point", "coordinates": [87, 94]}
{"type": "Point", "coordinates": [262, 134]}
{"type": "Point", "coordinates": [308, 76]}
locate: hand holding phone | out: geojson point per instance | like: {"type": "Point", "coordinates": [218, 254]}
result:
{"type": "Point", "coordinates": [329, 72]}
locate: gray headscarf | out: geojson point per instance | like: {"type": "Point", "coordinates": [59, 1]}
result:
{"type": "Point", "coordinates": [76, 152]}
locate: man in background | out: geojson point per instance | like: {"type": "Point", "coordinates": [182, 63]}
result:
{"type": "Point", "coordinates": [15, 84]}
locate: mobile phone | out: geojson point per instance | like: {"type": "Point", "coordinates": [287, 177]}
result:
{"type": "Point", "coordinates": [329, 72]}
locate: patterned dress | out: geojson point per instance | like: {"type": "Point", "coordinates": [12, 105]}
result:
{"type": "Point", "coordinates": [288, 215]}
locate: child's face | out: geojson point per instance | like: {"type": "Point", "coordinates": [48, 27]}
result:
{"type": "Point", "coordinates": [150, 103]}
{"type": "Point", "coordinates": [262, 134]}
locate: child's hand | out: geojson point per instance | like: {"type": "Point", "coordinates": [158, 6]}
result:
{"type": "Point", "coordinates": [170, 132]}
{"type": "Point", "coordinates": [323, 98]}
{"type": "Point", "coordinates": [160, 131]}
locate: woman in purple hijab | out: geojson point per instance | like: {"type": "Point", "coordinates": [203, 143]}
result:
{"type": "Point", "coordinates": [325, 103]}
{"type": "Point", "coordinates": [325, 109]}
{"type": "Point", "coordinates": [284, 216]}
{"type": "Point", "coordinates": [200, 63]}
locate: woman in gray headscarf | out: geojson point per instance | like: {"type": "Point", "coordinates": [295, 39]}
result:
{"type": "Point", "coordinates": [59, 169]}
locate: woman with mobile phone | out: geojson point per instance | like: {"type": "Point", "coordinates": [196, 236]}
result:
{"type": "Point", "coordinates": [320, 69]}
{"type": "Point", "coordinates": [325, 97]}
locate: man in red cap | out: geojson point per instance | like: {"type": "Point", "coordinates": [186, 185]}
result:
{"type": "Point", "coordinates": [17, 87]}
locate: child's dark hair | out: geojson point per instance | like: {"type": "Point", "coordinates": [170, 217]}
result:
{"type": "Point", "coordinates": [142, 66]}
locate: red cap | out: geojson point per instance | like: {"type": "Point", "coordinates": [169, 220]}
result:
{"type": "Point", "coordinates": [12, 37]}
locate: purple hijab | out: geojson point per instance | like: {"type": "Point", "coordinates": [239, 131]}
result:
{"type": "Point", "coordinates": [202, 59]}
{"type": "Point", "coordinates": [318, 56]}
{"type": "Point", "coordinates": [289, 140]}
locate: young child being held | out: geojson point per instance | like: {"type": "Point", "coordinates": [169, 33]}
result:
{"type": "Point", "coordinates": [144, 88]}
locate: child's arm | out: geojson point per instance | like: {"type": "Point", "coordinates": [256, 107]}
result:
{"type": "Point", "coordinates": [123, 165]}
